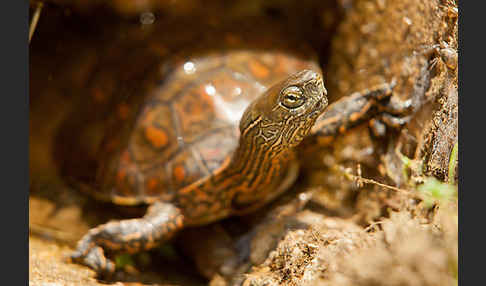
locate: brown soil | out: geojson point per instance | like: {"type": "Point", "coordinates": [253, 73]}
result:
{"type": "Point", "coordinates": [400, 251]}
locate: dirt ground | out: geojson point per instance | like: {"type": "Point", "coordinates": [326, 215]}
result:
{"type": "Point", "coordinates": [371, 211]}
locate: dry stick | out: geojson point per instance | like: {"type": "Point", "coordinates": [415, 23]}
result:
{"type": "Point", "coordinates": [373, 224]}
{"type": "Point", "coordinates": [35, 19]}
{"type": "Point", "coordinates": [360, 180]}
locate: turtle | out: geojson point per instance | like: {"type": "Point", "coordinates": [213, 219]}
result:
{"type": "Point", "coordinates": [215, 136]}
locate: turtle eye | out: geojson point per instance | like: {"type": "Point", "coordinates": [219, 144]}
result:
{"type": "Point", "coordinates": [292, 97]}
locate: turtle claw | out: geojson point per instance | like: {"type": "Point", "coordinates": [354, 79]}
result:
{"type": "Point", "coordinates": [397, 107]}
{"type": "Point", "coordinates": [377, 106]}
{"type": "Point", "coordinates": [95, 259]}
{"type": "Point", "coordinates": [379, 126]}
{"type": "Point", "coordinates": [92, 255]}
{"type": "Point", "coordinates": [395, 113]}
{"type": "Point", "coordinates": [394, 121]}
{"type": "Point", "coordinates": [160, 222]}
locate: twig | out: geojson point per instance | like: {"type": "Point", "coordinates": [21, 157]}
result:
{"type": "Point", "coordinates": [35, 19]}
{"type": "Point", "coordinates": [361, 181]}
{"type": "Point", "coordinates": [372, 225]}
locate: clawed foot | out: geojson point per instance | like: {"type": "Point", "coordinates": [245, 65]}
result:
{"type": "Point", "coordinates": [375, 105]}
{"type": "Point", "coordinates": [90, 254]}
{"type": "Point", "coordinates": [393, 114]}
{"type": "Point", "coordinates": [160, 223]}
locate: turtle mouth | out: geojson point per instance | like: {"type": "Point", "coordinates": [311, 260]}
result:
{"type": "Point", "coordinates": [320, 105]}
{"type": "Point", "coordinates": [322, 101]}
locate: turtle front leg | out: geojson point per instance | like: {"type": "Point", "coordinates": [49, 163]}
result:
{"type": "Point", "coordinates": [161, 221]}
{"type": "Point", "coordinates": [374, 105]}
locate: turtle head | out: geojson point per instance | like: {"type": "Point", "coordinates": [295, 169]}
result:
{"type": "Point", "coordinates": [282, 116]}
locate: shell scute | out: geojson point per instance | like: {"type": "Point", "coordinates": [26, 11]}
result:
{"type": "Point", "coordinates": [152, 139]}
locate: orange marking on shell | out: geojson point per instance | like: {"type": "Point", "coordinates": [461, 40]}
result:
{"type": "Point", "coordinates": [121, 175]}
{"type": "Point", "coordinates": [123, 111]}
{"type": "Point", "coordinates": [152, 184]}
{"type": "Point", "coordinates": [179, 173]}
{"type": "Point", "coordinates": [258, 69]}
{"type": "Point", "coordinates": [158, 138]}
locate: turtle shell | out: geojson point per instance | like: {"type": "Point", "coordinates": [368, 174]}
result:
{"type": "Point", "coordinates": [187, 124]}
